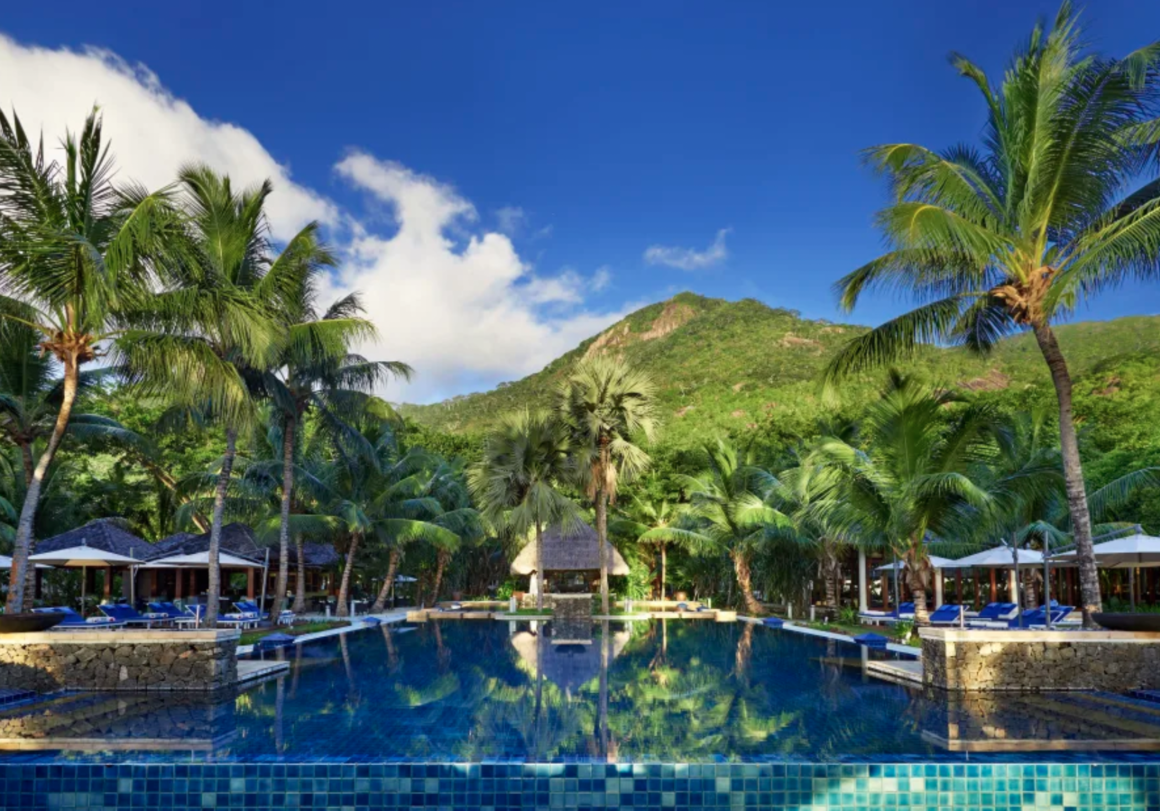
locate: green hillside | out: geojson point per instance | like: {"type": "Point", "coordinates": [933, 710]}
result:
{"type": "Point", "coordinates": [730, 367]}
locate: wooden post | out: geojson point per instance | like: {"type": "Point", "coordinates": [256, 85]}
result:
{"type": "Point", "coordinates": [885, 594]}
{"type": "Point", "coordinates": [994, 592]}
{"type": "Point", "coordinates": [177, 586]}
{"type": "Point", "coordinates": [249, 584]}
{"type": "Point", "coordinates": [959, 586]}
{"type": "Point", "coordinates": [108, 583]}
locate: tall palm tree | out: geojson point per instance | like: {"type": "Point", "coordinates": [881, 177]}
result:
{"type": "Point", "coordinates": [73, 267]}
{"type": "Point", "coordinates": [607, 405]}
{"type": "Point", "coordinates": [731, 510]}
{"type": "Point", "coordinates": [241, 300]}
{"type": "Point", "coordinates": [525, 461]}
{"type": "Point", "coordinates": [1012, 237]}
{"type": "Point", "coordinates": [338, 390]}
{"type": "Point", "coordinates": [914, 468]}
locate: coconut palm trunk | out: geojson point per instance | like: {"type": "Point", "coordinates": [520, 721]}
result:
{"type": "Point", "coordinates": [213, 595]}
{"type": "Point", "coordinates": [441, 559]}
{"type": "Point", "coordinates": [392, 572]}
{"type": "Point", "coordinates": [347, 570]}
{"type": "Point", "coordinates": [664, 551]}
{"type": "Point", "coordinates": [284, 530]}
{"type": "Point", "coordinates": [539, 566]}
{"type": "Point", "coordinates": [24, 541]}
{"type": "Point", "coordinates": [745, 582]}
{"type": "Point", "coordinates": [300, 589]}
{"type": "Point", "coordinates": [1077, 504]}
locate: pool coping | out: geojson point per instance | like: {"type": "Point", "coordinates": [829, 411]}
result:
{"type": "Point", "coordinates": [789, 625]}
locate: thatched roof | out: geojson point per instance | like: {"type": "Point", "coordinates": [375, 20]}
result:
{"type": "Point", "coordinates": [568, 666]}
{"type": "Point", "coordinates": [575, 551]}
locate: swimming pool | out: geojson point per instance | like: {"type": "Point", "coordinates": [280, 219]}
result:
{"type": "Point", "coordinates": [492, 714]}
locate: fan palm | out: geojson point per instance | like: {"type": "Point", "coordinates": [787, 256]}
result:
{"type": "Point", "coordinates": [607, 405]}
{"type": "Point", "coordinates": [73, 268]}
{"type": "Point", "coordinates": [525, 461]}
{"type": "Point", "coordinates": [1011, 238]}
{"type": "Point", "coordinates": [336, 389]}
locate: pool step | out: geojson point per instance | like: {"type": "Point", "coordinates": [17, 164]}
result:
{"type": "Point", "coordinates": [10, 696]}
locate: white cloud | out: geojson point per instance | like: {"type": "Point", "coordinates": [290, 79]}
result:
{"type": "Point", "coordinates": [689, 258]}
{"type": "Point", "coordinates": [454, 300]}
{"type": "Point", "coordinates": [466, 314]}
{"type": "Point", "coordinates": [601, 278]}
{"type": "Point", "coordinates": [152, 133]}
{"type": "Point", "coordinates": [511, 219]}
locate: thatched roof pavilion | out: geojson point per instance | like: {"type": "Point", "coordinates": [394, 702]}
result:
{"type": "Point", "coordinates": [573, 551]}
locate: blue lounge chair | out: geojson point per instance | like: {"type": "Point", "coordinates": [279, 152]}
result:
{"type": "Point", "coordinates": [1058, 619]}
{"type": "Point", "coordinates": [904, 613]}
{"type": "Point", "coordinates": [994, 613]}
{"type": "Point", "coordinates": [129, 615]}
{"type": "Point", "coordinates": [947, 614]}
{"type": "Point", "coordinates": [74, 621]}
{"type": "Point", "coordinates": [250, 607]}
{"type": "Point", "coordinates": [169, 610]}
{"type": "Point", "coordinates": [195, 614]}
{"type": "Point", "coordinates": [872, 641]}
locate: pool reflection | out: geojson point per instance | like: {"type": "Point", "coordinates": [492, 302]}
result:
{"type": "Point", "coordinates": [665, 691]}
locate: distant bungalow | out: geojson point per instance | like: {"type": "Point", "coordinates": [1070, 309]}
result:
{"type": "Point", "coordinates": [190, 582]}
{"type": "Point", "coordinates": [571, 559]}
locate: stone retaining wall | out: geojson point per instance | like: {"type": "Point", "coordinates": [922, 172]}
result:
{"type": "Point", "coordinates": [1033, 661]}
{"type": "Point", "coordinates": [119, 660]}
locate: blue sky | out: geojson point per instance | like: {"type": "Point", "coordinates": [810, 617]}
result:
{"type": "Point", "coordinates": [562, 140]}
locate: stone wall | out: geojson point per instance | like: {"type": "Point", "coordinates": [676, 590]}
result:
{"type": "Point", "coordinates": [119, 660]}
{"type": "Point", "coordinates": [1033, 661]}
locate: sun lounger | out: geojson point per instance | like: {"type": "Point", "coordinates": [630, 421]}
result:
{"type": "Point", "coordinates": [129, 615]}
{"type": "Point", "coordinates": [993, 613]}
{"type": "Point", "coordinates": [904, 613]}
{"type": "Point", "coordinates": [248, 607]}
{"type": "Point", "coordinates": [947, 614]}
{"type": "Point", "coordinates": [169, 610]}
{"type": "Point", "coordinates": [195, 614]}
{"type": "Point", "coordinates": [75, 622]}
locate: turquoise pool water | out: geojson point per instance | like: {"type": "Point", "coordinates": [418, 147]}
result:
{"type": "Point", "coordinates": [657, 692]}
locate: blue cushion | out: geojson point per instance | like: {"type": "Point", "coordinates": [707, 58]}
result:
{"type": "Point", "coordinates": [876, 641]}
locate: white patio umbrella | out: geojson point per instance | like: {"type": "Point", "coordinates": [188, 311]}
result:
{"type": "Point", "coordinates": [1000, 557]}
{"type": "Point", "coordinates": [6, 563]}
{"type": "Point", "coordinates": [404, 578]}
{"type": "Point", "coordinates": [82, 557]}
{"type": "Point", "coordinates": [1136, 551]}
{"type": "Point", "coordinates": [900, 566]}
{"type": "Point", "coordinates": [200, 560]}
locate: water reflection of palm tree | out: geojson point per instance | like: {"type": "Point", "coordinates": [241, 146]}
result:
{"type": "Point", "coordinates": [392, 653]}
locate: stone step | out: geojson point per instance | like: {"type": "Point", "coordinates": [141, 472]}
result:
{"type": "Point", "coordinates": [13, 696]}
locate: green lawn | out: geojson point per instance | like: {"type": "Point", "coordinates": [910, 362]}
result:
{"type": "Point", "coordinates": [250, 637]}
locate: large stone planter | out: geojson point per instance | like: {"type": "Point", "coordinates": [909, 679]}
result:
{"type": "Point", "coordinates": [1033, 661]}
{"type": "Point", "coordinates": [119, 660]}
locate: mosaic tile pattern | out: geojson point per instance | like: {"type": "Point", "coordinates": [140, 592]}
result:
{"type": "Point", "coordinates": [498, 787]}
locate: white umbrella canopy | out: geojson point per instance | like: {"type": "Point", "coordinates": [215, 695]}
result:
{"type": "Point", "coordinates": [1135, 551]}
{"type": "Point", "coordinates": [83, 556]}
{"type": "Point", "coordinates": [201, 560]}
{"type": "Point", "coordinates": [998, 558]}
{"type": "Point", "coordinates": [6, 563]}
{"type": "Point", "coordinates": [406, 578]}
{"type": "Point", "coordinates": [935, 562]}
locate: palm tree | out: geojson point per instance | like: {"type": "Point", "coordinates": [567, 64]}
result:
{"type": "Point", "coordinates": [1011, 238]}
{"type": "Point", "coordinates": [73, 268]}
{"type": "Point", "coordinates": [525, 461]}
{"type": "Point", "coordinates": [730, 510]}
{"type": "Point", "coordinates": [240, 302]}
{"type": "Point", "coordinates": [607, 404]}
{"type": "Point", "coordinates": [338, 390]}
{"type": "Point", "coordinates": [646, 523]}
{"type": "Point", "coordinates": [914, 469]}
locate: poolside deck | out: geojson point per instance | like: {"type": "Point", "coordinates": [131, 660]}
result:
{"type": "Point", "coordinates": [250, 670]}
